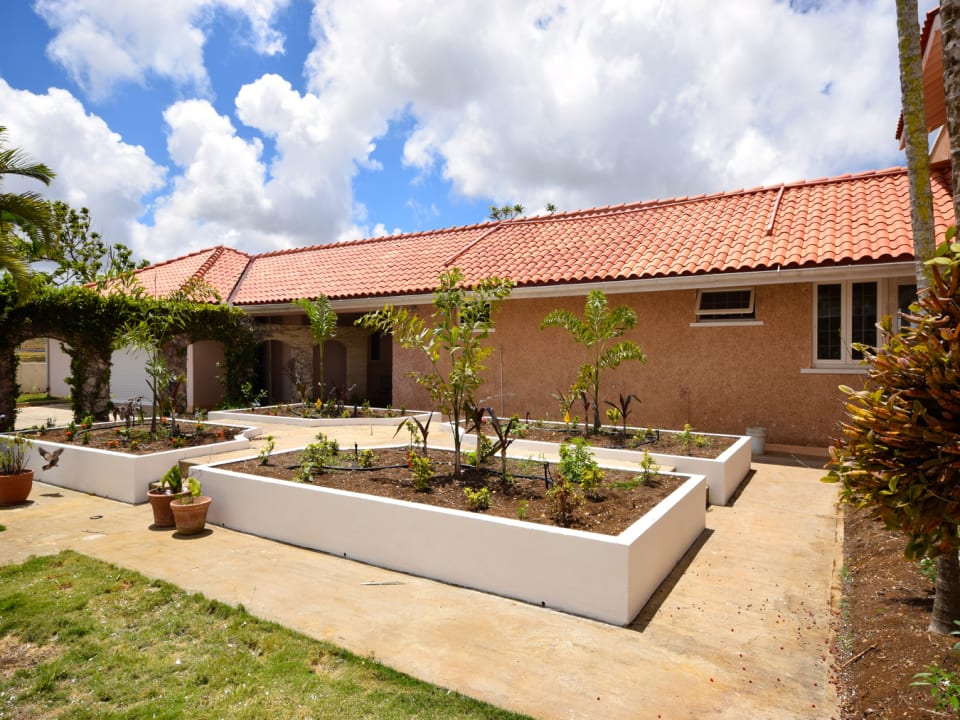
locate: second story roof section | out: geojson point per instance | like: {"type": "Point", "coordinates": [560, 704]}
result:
{"type": "Point", "coordinates": [220, 267]}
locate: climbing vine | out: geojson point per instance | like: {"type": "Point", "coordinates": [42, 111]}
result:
{"type": "Point", "coordinates": [88, 323]}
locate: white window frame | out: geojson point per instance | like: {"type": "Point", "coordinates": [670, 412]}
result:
{"type": "Point", "coordinates": [750, 307]}
{"type": "Point", "coordinates": [887, 297]}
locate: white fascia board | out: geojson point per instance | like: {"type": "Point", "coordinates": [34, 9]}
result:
{"type": "Point", "coordinates": [715, 281]}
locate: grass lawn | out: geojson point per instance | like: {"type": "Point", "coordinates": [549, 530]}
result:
{"type": "Point", "coordinates": [80, 638]}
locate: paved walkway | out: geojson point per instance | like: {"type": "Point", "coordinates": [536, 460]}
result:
{"type": "Point", "coordinates": [741, 630]}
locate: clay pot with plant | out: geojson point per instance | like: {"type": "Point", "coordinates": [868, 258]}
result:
{"type": "Point", "coordinates": [16, 480]}
{"type": "Point", "coordinates": [190, 510]}
{"type": "Point", "coordinates": [168, 489]}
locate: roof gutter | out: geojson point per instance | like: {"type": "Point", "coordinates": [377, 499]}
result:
{"type": "Point", "coordinates": [620, 287]}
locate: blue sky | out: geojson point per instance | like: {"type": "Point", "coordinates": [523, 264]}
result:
{"type": "Point", "coordinates": [266, 124]}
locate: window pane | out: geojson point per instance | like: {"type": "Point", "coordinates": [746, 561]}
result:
{"type": "Point", "coordinates": [828, 322]}
{"type": "Point", "coordinates": [864, 316]}
{"type": "Point", "coordinates": [906, 296]}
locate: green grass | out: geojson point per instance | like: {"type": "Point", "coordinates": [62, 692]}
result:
{"type": "Point", "coordinates": [40, 398]}
{"type": "Point", "coordinates": [98, 641]}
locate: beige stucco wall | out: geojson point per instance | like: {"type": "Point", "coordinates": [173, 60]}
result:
{"type": "Point", "coordinates": [719, 379]}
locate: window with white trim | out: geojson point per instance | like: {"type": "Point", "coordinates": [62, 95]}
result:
{"type": "Point", "coordinates": [846, 313]}
{"type": "Point", "coordinates": [735, 304]}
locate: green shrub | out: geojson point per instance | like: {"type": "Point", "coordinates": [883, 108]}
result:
{"type": "Point", "coordinates": [477, 500]}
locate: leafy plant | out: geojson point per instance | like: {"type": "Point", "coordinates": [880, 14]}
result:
{"type": "Point", "coordinates": [898, 453]}
{"type": "Point", "coordinates": [597, 330]}
{"type": "Point", "coordinates": [477, 500]}
{"type": "Point", "coordinates": [194, 489]}
{"type": "Point", "coordinates": [620, 411]}
{"type": "Point", "coordinates": [613, 415]}
{"type": "Point", "coordinates": [422, 471]}
{"type": "Point", "coordinates": [504, 440]}
{"type": "Point", "coordinates": [417, 428]}
{"type": "Point", "coordinates": [14, 453]}
{"type": "Point", "coordinates": [565, 400]}
{"type": "Point", "coordinates": [565, 501]}
{"type": "Point", "coordinates": [578, 465]}
{"type": "Point", "coordinates": [323, 327]}
{"type": "Point", "coordinates": [522, 510]}
{"type": "Point", "coordinates": [648, 467]}
{"type": "Point", "coordinates": [366, 458]}
{"type": "Point", "coordinates": [264, 455]}
{"type": "Point", "coordinates": [944, 684]}
{"type": "Point", "coordinates": [685, 438]}
{"type": "Point", "coordinates": [172, 481]}
{"type": "Point", "coordinates": [453, 345]}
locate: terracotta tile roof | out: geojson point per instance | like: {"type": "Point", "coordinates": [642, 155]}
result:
{"type": "Point", "coordinates": [853, 218]}
{"type": "Point", "coordinates": [219, 266]}
{"type": "Point", "coordinates": [859, 218]}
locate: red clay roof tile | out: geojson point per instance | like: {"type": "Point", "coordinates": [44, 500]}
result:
{"type": "Point", "coordinates": [851, 218]}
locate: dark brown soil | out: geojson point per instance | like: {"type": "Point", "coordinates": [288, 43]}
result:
{"type": "Point", "coordinates": [299, 410]}
{"type": "Point", "coordinates": [612, 514]}
{"type": "Point", "coordinates": [663, 441]}
{"type": "Point", "coordinates": [882, 638]}
{"type": "Point", "coordinates": [138, 441]}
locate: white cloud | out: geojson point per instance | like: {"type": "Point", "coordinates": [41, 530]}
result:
{"type": "Point", "coordinates": [226, 192]}
{"type": "Point", "coordinates": [94, 167]}
{"type": "Point", "coordinates": [101, 43]}
{"type": "Point", "coordinates": [574, 103]}
{"type": "Point", "coordinates": [596, 103]}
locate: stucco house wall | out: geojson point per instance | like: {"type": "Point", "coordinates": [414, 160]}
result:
{"type": "Point", "coordinates": [720, 378]}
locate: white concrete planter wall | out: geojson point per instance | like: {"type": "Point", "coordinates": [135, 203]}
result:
{"type": "Point", "coordinates": [598, 576]}
{"type": "Point", "coordinates": [118, 475]}
{"type": "Point", "coordinates": [724, 473]}
{"type": "Point", "coordinates": [249, 417]}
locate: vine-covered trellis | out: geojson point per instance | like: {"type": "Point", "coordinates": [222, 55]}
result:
{"type": "Point", "coordinates": [88, 323]}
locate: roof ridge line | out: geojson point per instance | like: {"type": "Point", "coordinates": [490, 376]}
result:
{"type": "Point", "coordinates": [470, 245]}
{"type": "Point", "coordinates": [370, 240]}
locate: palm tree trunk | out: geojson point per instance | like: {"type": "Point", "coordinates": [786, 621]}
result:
{"type": "Point", "coordinates": [915, 135]}
{"type": "Point", "coordinates": [946, 601]}
{"type": "Point", "coordinates": [950, 35]}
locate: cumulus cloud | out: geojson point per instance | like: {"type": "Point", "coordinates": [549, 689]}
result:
{"type": "Point", "coordinates": [227, 192]}
{"type": "Point", "coordinates": [94, 167]}
{"type": "Point", "coordinates": [101, 43]}
{"type": "Point", "coordinates": [573, 103]}
{"type": "Point", "coordinates": [593, 103]}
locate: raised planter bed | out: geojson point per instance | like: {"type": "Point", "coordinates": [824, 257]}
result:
{"type": "Point", "coordinates": [724, 473]}
{"type": "Point", "coordinates": [260, 418]}
{"type": "Point", "coordinates": [116, 474]}
{"type": "Point", "coordinates": [608, 578]}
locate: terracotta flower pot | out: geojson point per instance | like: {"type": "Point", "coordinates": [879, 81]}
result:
{"type": "Point", "coordinates": [191, 519]}
{"type": "Point", "coordinates": [15, 488]}
{"type": "Point", "coordinates": [160, 503]}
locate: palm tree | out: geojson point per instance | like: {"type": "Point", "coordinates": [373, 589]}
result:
{"type": "Point", "coordinates": [25, 211]}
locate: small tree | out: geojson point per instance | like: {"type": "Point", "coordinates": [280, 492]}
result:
{"type": "Point", "coordinates": [453, 344]}
{"type": "Point", "coordinates": [596, 331]}
{"type": "Point", "coordinates": [898, 454]}
{"type": "Point", "coordinates": [323, 326]}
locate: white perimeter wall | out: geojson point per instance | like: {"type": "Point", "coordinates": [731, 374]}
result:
{"type": "Point", "coordinates": [127, 377]}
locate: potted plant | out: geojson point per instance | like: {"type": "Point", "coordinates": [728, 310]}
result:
{"type": "Point", "coordinates": [190, 510]}
{"type": "Point", "coordinates": [163, 493]}
{"type": "Point", "coordinates": [16, 480]}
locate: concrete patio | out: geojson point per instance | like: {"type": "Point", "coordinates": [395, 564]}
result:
{"type": "Point", "coordinates": [742, 628]}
